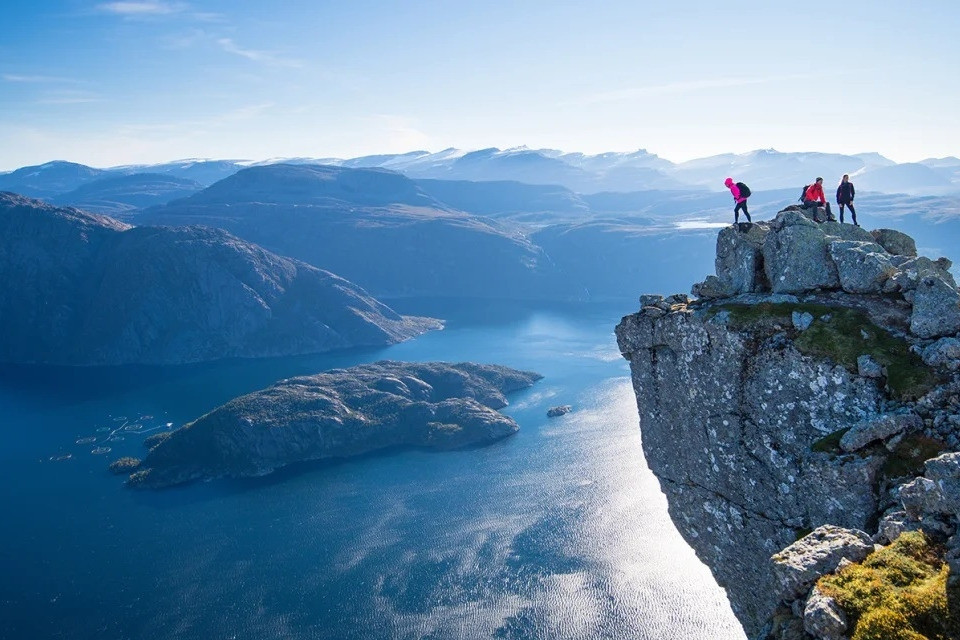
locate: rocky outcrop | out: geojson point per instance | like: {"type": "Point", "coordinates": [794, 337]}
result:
{"type": "Point", "coordinates": [338, 414]}
{"type": "Point", "coordinates": [802, 389]}
{"type": "Point", "coordinates": [793, 254]}
{"type": "Point", "coordinates": [82, 289]}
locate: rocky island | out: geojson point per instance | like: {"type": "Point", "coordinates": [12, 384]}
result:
{"type": "Point", "coordinates": [85, 289]}
{"type": "Point", "coordinates": [338, 414]}
{"type": "Point", "coordinates": [803, 409]}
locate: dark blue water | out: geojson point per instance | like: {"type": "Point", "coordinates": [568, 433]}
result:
{"type": "Point", "coordinates": [557, 532]}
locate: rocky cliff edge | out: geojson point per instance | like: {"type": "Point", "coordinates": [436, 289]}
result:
{"type": "Point", "coordinates": [812, 382]}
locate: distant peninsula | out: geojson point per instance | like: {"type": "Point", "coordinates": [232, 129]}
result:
{"type": "Point", "coordinates": [338, 414]}
{"type": "Point", "coordinates": [85, 289]}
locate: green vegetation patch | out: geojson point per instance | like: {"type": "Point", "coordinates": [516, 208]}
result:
{"type": "Point", "coordinates": [897, 593]}
{"type": "Point", "coordinates": [908, 456]}
{"type": "Point", "coordinates": [841, 335]}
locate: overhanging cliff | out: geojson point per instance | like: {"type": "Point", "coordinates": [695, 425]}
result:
{"type": "Point", "coordinates": [807, 382]}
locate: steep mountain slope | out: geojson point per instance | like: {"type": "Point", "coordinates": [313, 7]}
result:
{"type": "Point", "coordinates": [83, 289]}
{"type": "Point", "coordinates": [121, 195]}
{"type": "Point", "coordinates": [374, 227]}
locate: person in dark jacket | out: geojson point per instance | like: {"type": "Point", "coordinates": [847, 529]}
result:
{"type": "Point", "coordinates": [845, 193]}
{"type": "Point", "coordinates": [813, 197]}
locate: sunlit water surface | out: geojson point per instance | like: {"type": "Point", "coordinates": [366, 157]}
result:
{"type": "Point", "coordinates": [557, 532]}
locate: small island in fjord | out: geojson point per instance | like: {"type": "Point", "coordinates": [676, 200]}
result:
{"type": "Point", "coordinates": [338, 414]}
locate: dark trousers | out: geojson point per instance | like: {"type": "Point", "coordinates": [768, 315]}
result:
{"type": "Point", "coordinates": [813, 204]}
{"type": "Point", "coordinates": [853, 213]}
{"type": "Point", "coordinates": [736, 212]}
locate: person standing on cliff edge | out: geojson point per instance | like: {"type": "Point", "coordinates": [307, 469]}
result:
{"type": "Point", "coordinates": [845, 193]}
{"type": "Point", "coordinates": [740, 194]}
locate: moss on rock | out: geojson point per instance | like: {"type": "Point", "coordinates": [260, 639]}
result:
{"type": "Point", "coordinates": [896, 593]}
{"type": "Point", "coordinates": [842, 335]}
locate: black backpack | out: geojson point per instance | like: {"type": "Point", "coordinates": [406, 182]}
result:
{"type": "Point", "coordinates": [803, 194]}
{"type": "Point", "coordinates": [744, 190]}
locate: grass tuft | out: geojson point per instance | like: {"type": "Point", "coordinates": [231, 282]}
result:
{"type": "Point", "coordinates": [897, 593]}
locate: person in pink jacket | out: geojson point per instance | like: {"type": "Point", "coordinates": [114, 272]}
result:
{"type": "Point", "coordinates": [740, 199]}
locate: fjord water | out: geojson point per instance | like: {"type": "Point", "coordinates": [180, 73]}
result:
{"type": "Point", "coordinates": [557, 532]}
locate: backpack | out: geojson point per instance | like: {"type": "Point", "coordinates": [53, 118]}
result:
{"type": "Point", "coordinates": [744, 190]}
{"type": "Point", "coordinates": [803, 194]}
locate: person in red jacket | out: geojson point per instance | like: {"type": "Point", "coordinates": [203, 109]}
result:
{"type": "Point", "coordinates": [740, 199]}
{"type": "Point", "coordinates": [813, 197]}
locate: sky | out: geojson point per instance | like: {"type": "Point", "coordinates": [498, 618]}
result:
{"type": "Point", "coordinates": [146, 81]}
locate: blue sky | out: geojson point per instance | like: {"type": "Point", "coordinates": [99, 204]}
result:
{"type": "Point", "coordinates": [153, 80]}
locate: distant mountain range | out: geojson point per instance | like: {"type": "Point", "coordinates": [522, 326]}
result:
{"type": "Point", "coordinates": [763, 169]}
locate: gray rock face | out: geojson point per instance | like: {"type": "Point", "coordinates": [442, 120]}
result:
{"type": "Point", "coordinates": [863, 433]}
{"type": "Point", "coordinates": [341, 413]}
{"type": "Point", "coordinates": [823, 618]}
{"type": "Point", "coordinates": [862, 266]}
{"type": "Point", "coordinates": [895, 242]}
{"type": "Point", "coordinates": [936, 308]}
{"type": "Point", "coordinates": [943, 353]}
{"type": "Point", "coordinates": [745, 412]}
{"type": "Point", "coordinates": [802, 563]}
{"type": "Point", "coordinates": [87, 290]}
{"type": "Point", "coordinates": [740, 259]}
{"type": "Point", "coordinates": [797, 259]}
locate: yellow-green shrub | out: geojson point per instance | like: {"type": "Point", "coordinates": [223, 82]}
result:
{"type": "Point", "coordinates": [897, 593]}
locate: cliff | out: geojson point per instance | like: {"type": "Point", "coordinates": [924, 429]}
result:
{"type": "Point", "coordinates": [338, 414]}
{"type": "Point", "coordinates": [806, 385]}
{"type": "Point", "coordinates": [83, 289]}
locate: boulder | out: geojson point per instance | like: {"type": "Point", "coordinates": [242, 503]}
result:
{"type": "Point", "coordinates": [710, 289]}
{"type": "Point", "coordinates": [739, 261]}
{"type": "Point", "coordinates": [863, 267]}
{"type": "Point", "coordinates": [945, 353]}
{"type": "Point", "coordinates": [868, 367]}
{"type": "Point", "coordinates": [895, 242]}
{"type": "Point", "coordinates": [823, 618]}
{"type": "Point", "coordinates": [842, 231]}
{"type": "Point", "coordinates": [936, 308]}
{"type": "Point", "coordinates": [863, 433]}
{"type": "Point", "coordinates": [797, 259]}
{"type": "Point", "coordinates": [919, 497]}
{"type": "Point", "coordinates": [893, 524]}
{"type": "Point", "coordinates": [801, 321]}
{"type": "Point", "coordinates": [944, 471]}
{"type": "Point", "coordinates": [800, 565]}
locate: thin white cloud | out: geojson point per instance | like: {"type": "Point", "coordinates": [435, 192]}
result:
{"type": "Point", "coordinates": [265, 57]}
{"type": "Point", "coordinates": [36, 79]}
{"type": "Point", "coordinates": [68, 97]}
{"type": "Point", "coordinates": [144, 8]}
